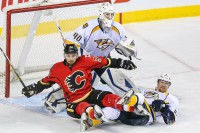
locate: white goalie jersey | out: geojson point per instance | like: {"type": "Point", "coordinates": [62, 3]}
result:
{"type": "Point", "coordinates": [94, 41]}
{"type": "Point", "coordinates": [151, 95]}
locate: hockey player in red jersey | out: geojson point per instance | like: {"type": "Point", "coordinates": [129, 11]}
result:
{"type": "Point", "coordinates": [74, 77]}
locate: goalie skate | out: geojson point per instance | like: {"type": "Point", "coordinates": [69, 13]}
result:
{"type": "Point", "coordinates": [87, 122]}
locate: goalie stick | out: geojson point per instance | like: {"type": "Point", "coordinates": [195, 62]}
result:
{"type": "Point", "coordinates": [13, 68]}
{"type": "Point", "coordinates": [61, 33]}
{"type": "Point", "coordinates": [59, 30]}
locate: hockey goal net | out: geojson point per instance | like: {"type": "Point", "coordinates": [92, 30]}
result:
{"type": "Point", "coordinates": [31, 39]}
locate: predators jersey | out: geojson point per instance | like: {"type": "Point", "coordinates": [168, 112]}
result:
{"type": "Point", "coordinates": [94, 41]}
{"type": "Point", "coordinates": [151, 95]}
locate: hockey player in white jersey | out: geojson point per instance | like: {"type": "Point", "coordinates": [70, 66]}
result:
{"type": "Point", "coordinates": [159, 103]}
{"type": "Point", "coordinates": [98, 37]}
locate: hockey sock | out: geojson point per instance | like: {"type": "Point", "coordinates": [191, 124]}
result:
{"type": "Point", "coordinates": [81, 107]}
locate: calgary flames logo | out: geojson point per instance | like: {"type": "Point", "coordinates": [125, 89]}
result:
{"type": "Point", "coordinates": [104, 43]}
{"type": "Point", "coordinates": [74, 81]}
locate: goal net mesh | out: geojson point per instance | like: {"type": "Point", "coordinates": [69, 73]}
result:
{"type": "Point", "coordinates": [35, 43]}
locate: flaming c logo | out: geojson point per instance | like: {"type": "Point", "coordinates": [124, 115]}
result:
{"type": "Point", "coordinates": [74, 81]}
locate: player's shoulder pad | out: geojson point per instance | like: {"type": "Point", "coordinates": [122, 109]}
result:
{"type": "Point", "coordinates": [174, 99]}
{"type": "Point", "coordinates": [116, 24]}
{"type": "Point", "coordinates": [52, 67]}
{"type": "Point", "coordinates": [50, 70]}
{"type": "Point", "coordinates": [95, 58]}
{"type": "Point", "coordinates": [91, 24]}
{"type": "Point", "coordinates": [57, 65]}
{"type": "Point", "coordinates": [98, 59]}
{"type": "Point", "coordinates": [118, 27]}
{"type": "Point", "coordinates": [87, 56]}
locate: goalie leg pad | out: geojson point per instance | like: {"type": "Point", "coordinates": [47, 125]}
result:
{"type": "Point", "coordinates": [54, 101]}
{"type": "Point", "coordinates": [117, 81]}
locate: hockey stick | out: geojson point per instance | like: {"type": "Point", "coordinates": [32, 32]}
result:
{"type": "Point", "coordinates": [13, 68]}
{"type": "Point", "coordinates": [61, 33]}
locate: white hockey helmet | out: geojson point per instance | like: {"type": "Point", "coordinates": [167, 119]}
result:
{"type": "Point", "coordinates": [165, 77]}
{"type": "Point", "coordinates": [107, 14]}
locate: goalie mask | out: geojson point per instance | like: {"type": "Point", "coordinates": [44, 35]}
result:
{"type": "Point", "coordinates": [106, 16]}
{"type": "Point", "coordinates": [127, 48]}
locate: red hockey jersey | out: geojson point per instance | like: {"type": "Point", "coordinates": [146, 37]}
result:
{"type": "Point", "coordinates": [75, 82]}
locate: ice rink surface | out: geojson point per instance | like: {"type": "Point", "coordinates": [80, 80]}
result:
{"type": "Point", "coordinates": [167, 46]}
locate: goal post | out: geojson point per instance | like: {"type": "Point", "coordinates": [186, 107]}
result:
{"type": "Point", "coordinates": [30, 37]}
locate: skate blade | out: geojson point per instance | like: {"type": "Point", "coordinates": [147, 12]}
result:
{"type": "Point", "coordinates": [83, 125]}
{"type": "Point", "coordinates": [99, 111]}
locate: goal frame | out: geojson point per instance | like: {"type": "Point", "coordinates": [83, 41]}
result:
{"type": "Point", "coordinates": [29, 9]}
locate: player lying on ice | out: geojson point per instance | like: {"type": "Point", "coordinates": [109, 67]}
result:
{"type": "Point", "coordinates": [158, 103]}
{"type": "Point", "coordinates": [73, 75]}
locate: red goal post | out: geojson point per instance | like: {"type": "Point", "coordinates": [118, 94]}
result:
{"type": "Point", "coordinates": [37, 37]}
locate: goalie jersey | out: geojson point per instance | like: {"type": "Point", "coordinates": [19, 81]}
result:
{"type": "Point", "coordinates": [94, 41]}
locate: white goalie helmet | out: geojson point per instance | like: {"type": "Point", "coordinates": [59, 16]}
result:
{"type": "Point", "coordinates": [107, 14]}
{"type": "Point", "coordinates": [165, 77]}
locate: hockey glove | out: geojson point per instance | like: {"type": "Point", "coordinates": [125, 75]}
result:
{"type": "Point", "coordinates": [32, 89]}
{"type": "Point", "coordinates": [159, 105]}
{"type": "Point", "coordinates": [29, 91]}
{"type": "Point", "coordinates": [168, 116]}
{"type": "Point", "coordinates": [119, 63]}
{"type": "Point", "coordinates": [127, 64]}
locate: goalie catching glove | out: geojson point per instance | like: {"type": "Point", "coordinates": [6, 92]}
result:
{"type": "Point", "coordinates": [127, 48]}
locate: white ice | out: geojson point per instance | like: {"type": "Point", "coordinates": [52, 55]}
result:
{"type": "Point", "coordinates": [168, 46]}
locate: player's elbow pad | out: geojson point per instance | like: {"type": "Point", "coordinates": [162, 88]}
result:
{"type": "Point", "coordinates": [168, 116]}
